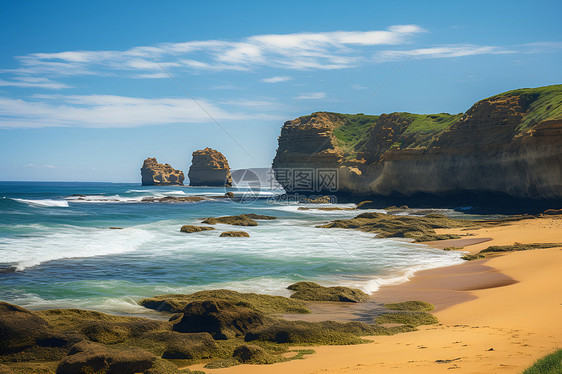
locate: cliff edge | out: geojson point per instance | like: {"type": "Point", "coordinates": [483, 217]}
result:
{"type": "Point", "coordinates": [155, 174]}
{"type": "Point", "coordinates": [209, 167]}
{"type": "Point", "coordinates": [510, 144]}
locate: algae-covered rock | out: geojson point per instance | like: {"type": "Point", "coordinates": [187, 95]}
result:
{"type": "Point", "coordinates": [311, 291]}
{"type": "Point", "coordinates": [266, 304]}
{"type": "Point", "coordinates": [252, 354]}
{"type": "Point", "coordinates": [239, 220]}
{"type": "Point", "coordinates": [420, 229]}
{"type": "Point", "coordinates": [19, 328]}
{"type": "Point", "coordinates": [188, 346]}
{"type": "Point", "coordinates": [88, 357]}
{"type": "Point", "coordinates": [222, 319]}
{"type": "Point", "coordinates": [412, 305]}
{"type": "Point", "coordinates": [234, 234]}
{"type": "Point", "coordinates": [192, 228]}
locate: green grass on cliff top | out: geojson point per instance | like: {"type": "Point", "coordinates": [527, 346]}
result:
{"type": "Point", "coordinates": [544, 103]}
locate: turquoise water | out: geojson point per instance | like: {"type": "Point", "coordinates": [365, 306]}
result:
{"type": "Point", "coordinates": [65, 255]}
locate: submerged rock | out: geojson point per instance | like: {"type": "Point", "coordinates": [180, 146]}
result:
{"type": "Point", "coordinates": [192, 228]}
{"type": "Point", "coordinates": [311, 291]}
{"type": "Point", "coordinates": [235, 234]}
{"type": "Point", "coordinates": [240, 220]}
{"type": "Point", "coordinates": [421, 229]}
{"type": "Point", "coordinates": [222, 319]}
{"type": "Point", "coordinates": [155, 174]}
{"type": "Point", "coordinates": [209, 167]}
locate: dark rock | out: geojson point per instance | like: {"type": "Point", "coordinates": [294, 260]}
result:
{"type": "Point", "coordinates": [192, 228]}
{"type": "Point", "coordinates": [229, 195]}
{"type": "Point", "coordinates": [183, 346]}
{"type": "Point", "coordinates": [314, 292]}
{"type": "Point", "coordinates": [222, 319]}
{"type": "Point", "coordinates": [235, 234]}
{"type": "Point", "coordinates": [249, 353]}
{"type": "Point", "coordinates": [240, 220]}
{"type": "Point", "coordinates": [19, 328]}
{"type": "Point", "coordinates": [88, 357]}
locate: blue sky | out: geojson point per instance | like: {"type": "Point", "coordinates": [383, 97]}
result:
{"type": "Point", "coordinates": [88, 89]}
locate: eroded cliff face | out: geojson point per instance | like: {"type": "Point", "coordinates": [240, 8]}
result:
{"type": "Point", "coordinates": [510, 143]}
{"type": "Point", "coordinates": [155, 174]}
{"type": "Point", "coordinates": [209, 167]}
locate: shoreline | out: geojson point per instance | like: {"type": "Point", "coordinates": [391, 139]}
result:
{"type": "Point", "coordinates": [483, 324]}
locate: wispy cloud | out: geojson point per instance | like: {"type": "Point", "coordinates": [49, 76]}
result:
{"type": "Point", "coordinates": [440, 52]}
{"type": "Point", "coordinates": [105, 111]}
{"type": "Point", "coordinates": [311, 96]}
{"type": "Point", "coordinates": [276, 79]}
{"type": "Point", "coordinates": [34, 82]}
{"type": "Point", "coordinates": [298, 51]}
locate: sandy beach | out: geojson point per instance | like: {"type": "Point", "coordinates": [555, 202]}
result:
{"type": "Point", "coordinates": [497, 315]}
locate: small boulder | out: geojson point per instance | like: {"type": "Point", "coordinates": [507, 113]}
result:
{"type": "Point", "coordinates": [235, 234]}
{"type": "Point", "coordinates": [311, 291]}
{"type": "Point", "coordinates": [229, 195]}
{"type": "Point", "coordinates": [192, 228]}
{"type": "Point", "coordinates": [222, 319]}
{"type": "Point", "coordinates": [251, 354]}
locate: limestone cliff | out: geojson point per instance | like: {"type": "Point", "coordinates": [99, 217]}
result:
{"type": "Point", "coordinates": [155, 174]}
{"type": "Point", "coordinates": [209, 168]}
{"type": "Point", "coordinates": [510, 144]}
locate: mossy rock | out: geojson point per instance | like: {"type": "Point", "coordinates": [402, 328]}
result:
{"type": "Point", "coordinates": [412, 306]}
{"type": "Point", "coordinates": [413, 319]}
{"type": "Point", "coordinates": [266, 304]}
{"type": "Point", "coordinates": [239, 220]}
{"type": "Point", "coordinates": [220, 318]}
{"type": "Point", "coordinates": [191, 228]}
{"type": "Point", "coordinates": [234, 234]}
{"type": "Point", "coordinates": [88, 357]}
{"type": "Point", "coordinates": [311, 291]}
{"type": "Point", "coordinates": [182, 346]}
{"type": "Point", "coordinates": [420, 229]}
{"type": "Point", "coordinates": [253, 354]}
{"type": "Point", "coordinates": [301, 332]}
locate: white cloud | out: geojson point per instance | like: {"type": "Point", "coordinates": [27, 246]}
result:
{"type": "Point", "coordinates": [34, 82]}
{"type": "Point", "coordinates": [440, 52]}
{"type": "Point", "coordinates": [311, 96]}
{"type": "Point", "coordinates": [300, 51]}
{"type": "Point", "coordinates": [276, 79]}
{"type": "Point", "coordinates": [104, 111]}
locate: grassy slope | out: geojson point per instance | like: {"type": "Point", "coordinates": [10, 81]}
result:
{"type": "Point", "coordinates": [550, 364]}
{"type": "Point", "coordinates": [544, 103]}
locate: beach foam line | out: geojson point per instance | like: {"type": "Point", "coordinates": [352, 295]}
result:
{"type": "Point", "coordinates": [44, 202]}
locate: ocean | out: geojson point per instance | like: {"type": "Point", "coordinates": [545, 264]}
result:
{"type": "Point", "coordinates": [57, 251]}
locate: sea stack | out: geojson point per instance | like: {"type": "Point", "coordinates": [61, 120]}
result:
{"type": "Point", "coordinates": [209, 167]}
{"type": "Point", "coordinates": [155, 174]}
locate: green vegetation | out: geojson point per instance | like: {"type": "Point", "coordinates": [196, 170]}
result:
{"type": "Point", "coordinates": [509, 248]}
{"type": "Point", "coordinates": [549, 364]}
{"type": "Point", "coordinates": [354, 128]}
{"type": "Point", "coordinates": [412, 306]}
{"type": "Point", "coordinates": [542, 103]}
{"type": "Point", "coordinates": [429, 123]}
{"type": "Point", "coordinates": [265, 304]}
{"type": "Point", "coordinates": [311, 291]}
{"type": "Point", "coordinates": [412, 319]}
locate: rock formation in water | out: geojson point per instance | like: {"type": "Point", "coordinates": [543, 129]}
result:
{"type": "Point", "coordinates": [155, 174]}
{"type": "Point", "coordinates": [508, 144]}
{"type": "Point", "coordinates": [209, 168]}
